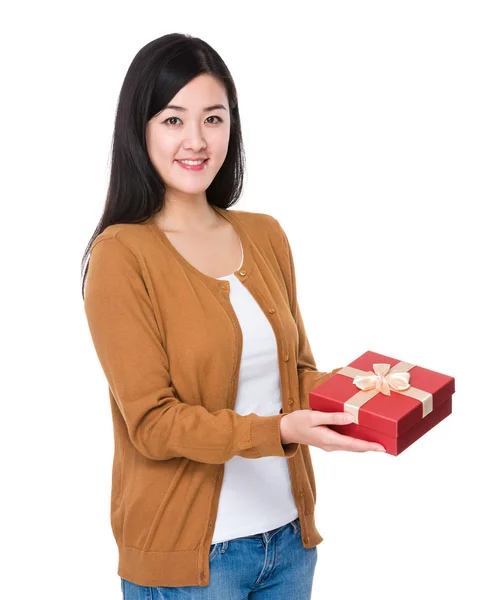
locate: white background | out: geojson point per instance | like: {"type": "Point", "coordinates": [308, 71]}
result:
{"type": "Point", "coordinates": [364, 126]}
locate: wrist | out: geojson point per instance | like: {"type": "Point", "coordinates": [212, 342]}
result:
{"type": "Point", "coordinates": [284, 433]}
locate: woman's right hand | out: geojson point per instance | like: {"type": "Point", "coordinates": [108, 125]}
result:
{"type": "Point", "coordinates": [309, 427]}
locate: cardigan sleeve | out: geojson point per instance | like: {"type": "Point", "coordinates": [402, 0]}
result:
{"type": "Point", "coordinates": [309, 376]}
{"type": "Point", "coordinates": [128, 343]}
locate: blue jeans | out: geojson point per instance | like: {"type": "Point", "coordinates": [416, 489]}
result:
{"type": "Point", "coordinates": [273, 565]}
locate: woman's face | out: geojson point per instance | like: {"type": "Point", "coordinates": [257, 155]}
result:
{"type": "Point", "coordinates": [191, 131]}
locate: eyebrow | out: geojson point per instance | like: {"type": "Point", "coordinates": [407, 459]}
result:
{"type": "Point", "coordinates": [181, 108]}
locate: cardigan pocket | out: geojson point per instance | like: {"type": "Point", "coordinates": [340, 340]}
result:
{"type": "Point", "coordinates": [163, 505]}
{"type": "Point", "coordinates": [180, 521]}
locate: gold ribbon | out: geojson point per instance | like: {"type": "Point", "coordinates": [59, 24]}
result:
{"type": "Point", "coordinates": [397, 378]}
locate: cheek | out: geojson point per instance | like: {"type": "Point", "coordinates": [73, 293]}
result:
{"type": "Point", "coordinates": [164, 152]}
{"type": "Point", "coordinates": [220, 146]}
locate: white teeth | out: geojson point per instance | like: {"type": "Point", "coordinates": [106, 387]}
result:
{"type": "Point", "coordinates": [191, 162]}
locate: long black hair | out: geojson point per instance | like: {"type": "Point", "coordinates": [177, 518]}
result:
{"type": "Point", "coordinates": [157, 73]}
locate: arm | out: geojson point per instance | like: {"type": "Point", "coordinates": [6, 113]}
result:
{"type": "Point", "coordinates": [309, 376]}
{"type": "Point", "coordinates": [129, 347]}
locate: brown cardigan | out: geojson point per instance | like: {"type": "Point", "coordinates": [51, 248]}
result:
{"type": "Point", "coordinates": [169, 343]}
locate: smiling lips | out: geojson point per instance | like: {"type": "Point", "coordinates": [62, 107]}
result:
{"type": "Point", "coordinates": [193, 159]}
{"type": "Point", "coordinates": [193, 165]}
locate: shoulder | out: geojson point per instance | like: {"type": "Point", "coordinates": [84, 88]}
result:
{"type": "Point", "coordinates": [266, 231]}
{"type": "Point", "coordinates": [255, 218]}
{"type": "Point", "coordinates": [125, 236]}
{"type": "Point", "coordinates": [258, 223]}
{"type": "Point", "coordinates": [268, 234]}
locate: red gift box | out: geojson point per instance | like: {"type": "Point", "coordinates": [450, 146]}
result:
{"type": "Point", "coordinates": [394, 403]}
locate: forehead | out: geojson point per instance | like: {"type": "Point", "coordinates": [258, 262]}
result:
{"type": "Point", "coordinates": [201, 95]}
{"type": "Point", "coordinates": [202, 92]}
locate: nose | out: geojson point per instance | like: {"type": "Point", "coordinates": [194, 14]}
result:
{"type": "Point", "coordinates": [194, 140]}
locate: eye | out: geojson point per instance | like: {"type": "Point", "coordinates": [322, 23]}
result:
{"type": "Point", "coordinates": [171, 119]}
{"type": "Point", "coordinates": [176, 124]}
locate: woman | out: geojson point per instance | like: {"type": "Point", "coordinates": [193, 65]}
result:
{"type": "Point", "coordinates": [193, 313]}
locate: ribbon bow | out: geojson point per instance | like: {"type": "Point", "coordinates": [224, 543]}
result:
{"type": "Point", "coordinates": [383, 380]}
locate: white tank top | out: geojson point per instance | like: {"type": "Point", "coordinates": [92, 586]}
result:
{"type": "Point", "coordinates": [256, 494]}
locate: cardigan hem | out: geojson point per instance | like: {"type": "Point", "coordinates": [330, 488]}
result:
{"type": "Point", "coordinates": [185, 567]}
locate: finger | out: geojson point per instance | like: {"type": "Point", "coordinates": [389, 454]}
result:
{"type": "Point", "coordinates": [335, 418]}
{"type": "Point", "coordinates": [351, 444]}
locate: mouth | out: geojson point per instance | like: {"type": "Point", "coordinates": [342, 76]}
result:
{"type": "Point", "coordinates": [195, 160]}
{"type": "Point", "coordinates": [193, 167]}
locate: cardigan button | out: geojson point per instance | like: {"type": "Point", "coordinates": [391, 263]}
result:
{"type": "Point", "coordinates": [286, 357]}
{"type": "Point", "coordinates": [291, 401]}
{"type": "Point", "coordinates": [222, 286]}
{"type": "Point", "coordinates": [306, 540]}
{"type": "Point", "coordinates": [271, 310]}
{"type": "Point", "coordinates": [242, 273]}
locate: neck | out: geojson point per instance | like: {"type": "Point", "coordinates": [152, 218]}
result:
{"type": "Point", "coordinates": [184, 216]}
